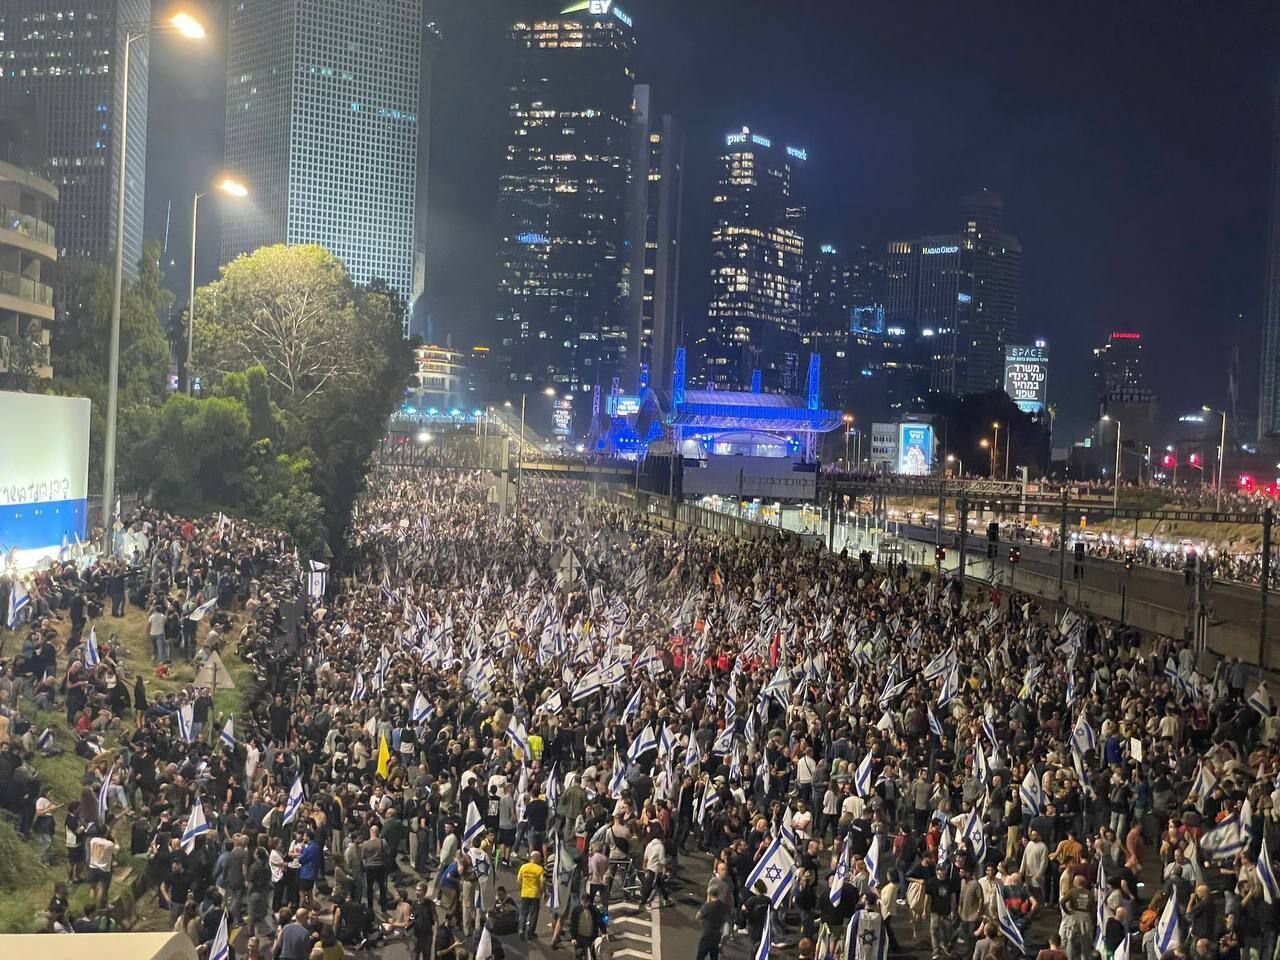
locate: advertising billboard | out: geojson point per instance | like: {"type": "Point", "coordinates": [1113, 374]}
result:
{"type": "Point", "coordinates": [562, 417]}
{"type": "Point", "coordinates": [44, 470]}
{"type": "Point", "coordinates": [915, 448]}
{"type": "Point", "coordinates": [1026, 377]}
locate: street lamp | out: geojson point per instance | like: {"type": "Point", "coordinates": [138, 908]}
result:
{"type": "Point", "coordinates": [952, 458]}
{"type": "Point", "coordinates": [187, 26]}
{"type": "Point", "coordinates": [995, 450]}
{"type": "Point", "coordinates": [232, 188]}
{"type": "Point", "coordinates": [987, 445]}
{"type": "Point", "coordinates": [1222, 455]}
{"type": "Point", "coordinates": [848, 423]}
{"type": "Point", "coordinates": [1115, 486]}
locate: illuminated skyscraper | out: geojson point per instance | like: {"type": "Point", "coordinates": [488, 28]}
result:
{"type": "Point", "coordinates": [564, 259]}
{"type": "Point", "coordinates": [757, 308]}
{"type": "Point", "coordinates": [997, 275]}
{"type": "Point", "coordinates": [1269, 394]}
{"type": "Point", "coordinates": [66, 59]}
{"type": "Point", "coordinates": [324, 124]}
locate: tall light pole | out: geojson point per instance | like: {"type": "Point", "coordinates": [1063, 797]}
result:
{"type": "Point", "coordinates": [986, 445]}
{"type": "Point", "coordinates": [187, 26]}
{"type": "Point", "coordinates": [1115, 486]}
{"type": "Point", "coordinates": [848, 425]}
{"type": "Point", "coordinates": [952, 458]}
{"type": "Point", "coordinates": [232, 188]}
{"type": "Point", "coordinates": [995, 450]}
{"type": "Point", "coordinates": [1222, 455]}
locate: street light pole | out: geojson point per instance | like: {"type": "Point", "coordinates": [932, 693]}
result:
{"type": "Point", "coordinates": [1115, 487]}
{"type": "Point", "coordinates": [995, 450]}
{"type": "Point", "coordinates": [1222, 455]}
{"type": "Point", "coordinates": [191, 291]}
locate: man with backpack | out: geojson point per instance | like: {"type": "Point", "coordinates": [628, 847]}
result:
{"type": "Point", "coordinates": [585, 925]}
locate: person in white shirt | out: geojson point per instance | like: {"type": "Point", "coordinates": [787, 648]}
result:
{"type": "Point", "coordinates": [101, 856]}
{"type": "Point", "coordinates": [655, 872]}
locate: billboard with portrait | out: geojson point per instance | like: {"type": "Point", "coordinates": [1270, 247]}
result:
{"type": "Point", "coordinates": [915, 448]}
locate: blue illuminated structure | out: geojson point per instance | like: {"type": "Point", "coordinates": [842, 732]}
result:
{"type": "Point", "coordinates": [530, 239]}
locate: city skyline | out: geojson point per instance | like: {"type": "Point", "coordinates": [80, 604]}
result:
{"type": "Point", "coordinates": [1096, 141]}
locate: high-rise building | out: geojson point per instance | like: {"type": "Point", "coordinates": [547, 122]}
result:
{"type": "Point", "coordinates": [67, 57]}
{"type": "Point", "coordinates": [1125, 402]}
{"type": "Point", "coordinates": [324, 123]}
{"type": "Point", "coordinates": [1269, 394]}
{"type": "Point", "coordinates": [28, 204]}
{"type": "Point", "coordinates": [653, 300]}
{"type": "Point", "coordinates": [563, 193]}
{"type": "Point", "coordinates": [829, 304]}
{"type": "Point", "coordinates": [958, 293]}
{"type": "Point", "coordinates": [997, 276]}
{"type": "Point", "coordinates": [757, 309]}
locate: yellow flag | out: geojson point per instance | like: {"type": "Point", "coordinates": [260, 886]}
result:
{"type": "Point", "coordinates": [384, 757]}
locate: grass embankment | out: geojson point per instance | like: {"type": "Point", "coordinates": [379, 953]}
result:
{"type": "Point", "coordinates": [25, 884]}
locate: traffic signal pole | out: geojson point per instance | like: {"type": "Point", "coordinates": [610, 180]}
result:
{"type": "Point", "coordinates": [1062, 557]}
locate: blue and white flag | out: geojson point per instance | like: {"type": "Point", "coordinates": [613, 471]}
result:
{"type": "Point", "coordinates": [199, 612]}
{"type": "Point", "coordinates": [868, 939]}
{"type": "Point", "coordinates": [519, 737]}
{"type": "Point", "coordinates": [633, 705]}
{"type": "Point", "coordinates": [104, 793]}
{"type": "Point", "coordinates": [197, 824]}
{"type": "Point", "coordinates": [841, 873]}
{"type": "Point", "coordinates": [1168, 935]}
{"type": "Point", "coordinates": [948, 691]}
{"type": "Point", "coordinates": [186, 730]}
{"type": "Point", "coordinates": [724, 742]}
{"type": "Point", "coordinates": [693, 755]}
{"type": "Point", "coordinates": [19, 600]}
{"type": "Point", "coordinates": [219, 949]}
{"type": "Point", "coordinates": [1267, 877]}
{"type": "Point", "coordinates": [872, 861]}
{"type": "Point", "coordinates": [475, 824]}
{"type": "Point", "coordinates": [975, 835]}
{"type": "Point", "coordinates": [666, 741]}
{"type": "Point", "coordinates": [1011, 931]}
{"type": "Point", "coordinates": [1261, 700]}
{"type": "Point", "coordinates": [228, 734]}
{"type": "Point", "coordinates": [642, 744]}
{"type": "Point", "coordinates": [940, 665]}
{"type": "Point", "coordinates": [777, 870]}
{"type": "Point", "coordinates": [553, 787]}
{"type": "Point", "coordinates": [1224, 840]}
{"type": "Point", "coordinates": [420, 710]}
{"type": "Point", "coordinates": [618, 777]}
{"type": "Point", "coordinates": [934, 726]}
{"type": "Point", "coordinates": [1082, 736]}
{"type": "Point", "coordinates": [91, 655]}
{"type": "Point", "coordinates": [862, 776]}
{"type": "Point", "coordinates": [45, 740]}
{"type": "Point", "coordinates": [762, 951]}
{"type": "Point", "coordinates": [358, 688]}
{"type": "Point", "coordinates": [1203, 784]}
{"type": "Point", "coordinates": [1100, 892]}
{"type": "Point", "coordinates": [294, 803]}
{"type": "Point", "coordinates": [1032, 793]}
{"type": "Point", "coordinates": [553, 704]}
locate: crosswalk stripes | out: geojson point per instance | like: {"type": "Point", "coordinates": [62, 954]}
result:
{"type": "Point", "coordinates": [635, 934]}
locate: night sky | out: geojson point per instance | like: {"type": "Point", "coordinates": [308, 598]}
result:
{"type": "Point", "coordinates": [1131, 142]}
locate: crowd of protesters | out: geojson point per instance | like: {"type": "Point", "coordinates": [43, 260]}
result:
{"type": "Point", "coordinates": [499, 725]}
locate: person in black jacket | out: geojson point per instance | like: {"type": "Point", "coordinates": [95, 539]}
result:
{"type": "Point", "coordinates": [585, 925]}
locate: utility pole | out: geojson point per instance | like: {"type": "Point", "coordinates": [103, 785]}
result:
{"type": "Point", "coordinates": [1062, 547]}
{"type": "Point", "coordinates": [1267, 520]}
{"type": "Point", "coordinates": [831, 520]}
{"type": "Point", "coordinates": [963, 506]}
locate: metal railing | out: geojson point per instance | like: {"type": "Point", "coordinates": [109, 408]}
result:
{"type": "Point", "coordinates": [26, 224]}
{"type": "Point", "coordinates": [18, 286]}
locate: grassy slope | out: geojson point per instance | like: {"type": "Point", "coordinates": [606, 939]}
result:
{"type": "Point", "coordinates": [26, 885]}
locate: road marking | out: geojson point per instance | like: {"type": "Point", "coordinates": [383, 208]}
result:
{"type": "Point", "coordinates": [636, 935]}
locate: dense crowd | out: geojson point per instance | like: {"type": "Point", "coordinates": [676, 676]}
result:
{"type": "Point", "coordinates": [497, 726]}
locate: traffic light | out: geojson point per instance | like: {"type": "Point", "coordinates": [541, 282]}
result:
{"type": "Point", "coordinates": [1128, 561]}
{"type": "Point", "coordinates": [940, 554]}
{"type": "Point", "coordinates": [1079, 549]}
{"type": "Point", "coordinates": [1015, 554]}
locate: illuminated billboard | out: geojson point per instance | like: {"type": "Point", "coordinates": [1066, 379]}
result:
{"type": "Point", "coordinates": [915, 448]}
{"type": "Point", "coordinates": [621, 405]}
{"type": "Point", "coordinates": [44, 470]}
{"type": "Point", "coordinates": [562, 417]}
{"type": "Point", "coordinates": [1026, 376]}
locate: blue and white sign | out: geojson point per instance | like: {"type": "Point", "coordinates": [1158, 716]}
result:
{"type": "Point", "coordinates": [915, 448]}
{"type": "Point", "coordinates": [44, 470]}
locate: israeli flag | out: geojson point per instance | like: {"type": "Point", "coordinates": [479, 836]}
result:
{"type": "Point", "coordinates": [420, 710]}
{"type": "Point", "coordinates": [553, 704]}
{"type": "Point", "coordinates": [1168, 936]}
{"type": "Point", "coordinates": [553, 786]}
{"type": "Point", "coordinates": [103, 793]}
{"type": "Point", "coordinates": [228, 735]}
{"type": "Point", "coordinates": [666, 741]}
{"type": "Point", "coordinates": [1100, 914]}
{"type": "Point", "coordinates": [197, 824]}
{"type": "Point", "coordinates": [861, 779]}
{"type": "Point", "coordinates": [45, 740]}
{"type": "Point", "coordinates": [934, 726]}
{"type": "Point", "coordinates": [91, 655]}
{"type": "Point", "coordinates": [1014, 935]}
{"type": "Point", "coordinates": [693, 755]}
{"type": "Point", "coordinates": [975, 835]}
{"type": "Point", "coordinates": [1261, 701]}
{"type": "Point", "coordinates": [724, 742]}
{"type": "Point", "coordinates": [841, 873]}
{"type": "Point", "coordinates": [940, 665]}
{"type": "Point", "coordinates": [199, 612]}
{"type": "Point", "coordinates": [873, 861]}
{"type": "Point", "coordinates": [777, 869]}
{"type": "Point", "coordinates": [633, 705]}
{"type": "Point", "coordinates": [618, 777]}
{"type": "Point", "coordinates": [1203, 784]}
{"type": "Point", "coordinates": [519, 737]}
{"type": "Point", "coordinates": [1267, 877]}
{"type": "Point", "coordinates": [19, 599]}
{"type": "Point", "coordinates": [1032, 793]}
{"type": "Point", "coordinates": [185, 714]}
{"type": "Point", "coordinates": [294, 803]}
{"type": "Point", "coordinates": [475, 824]}
{"type": "Point", "coordinates": [219, 949]}
{"type": "Point", "coordinates": [762, 951]}
{"type": "Point", "coordinates": [1082, 736]}
{"type": "Point", "coordinates": [1225, 840]}
{"type": "Point", "coordinates": [948, 691]}
{"type": "Point", "coordinates": [642, 744]}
